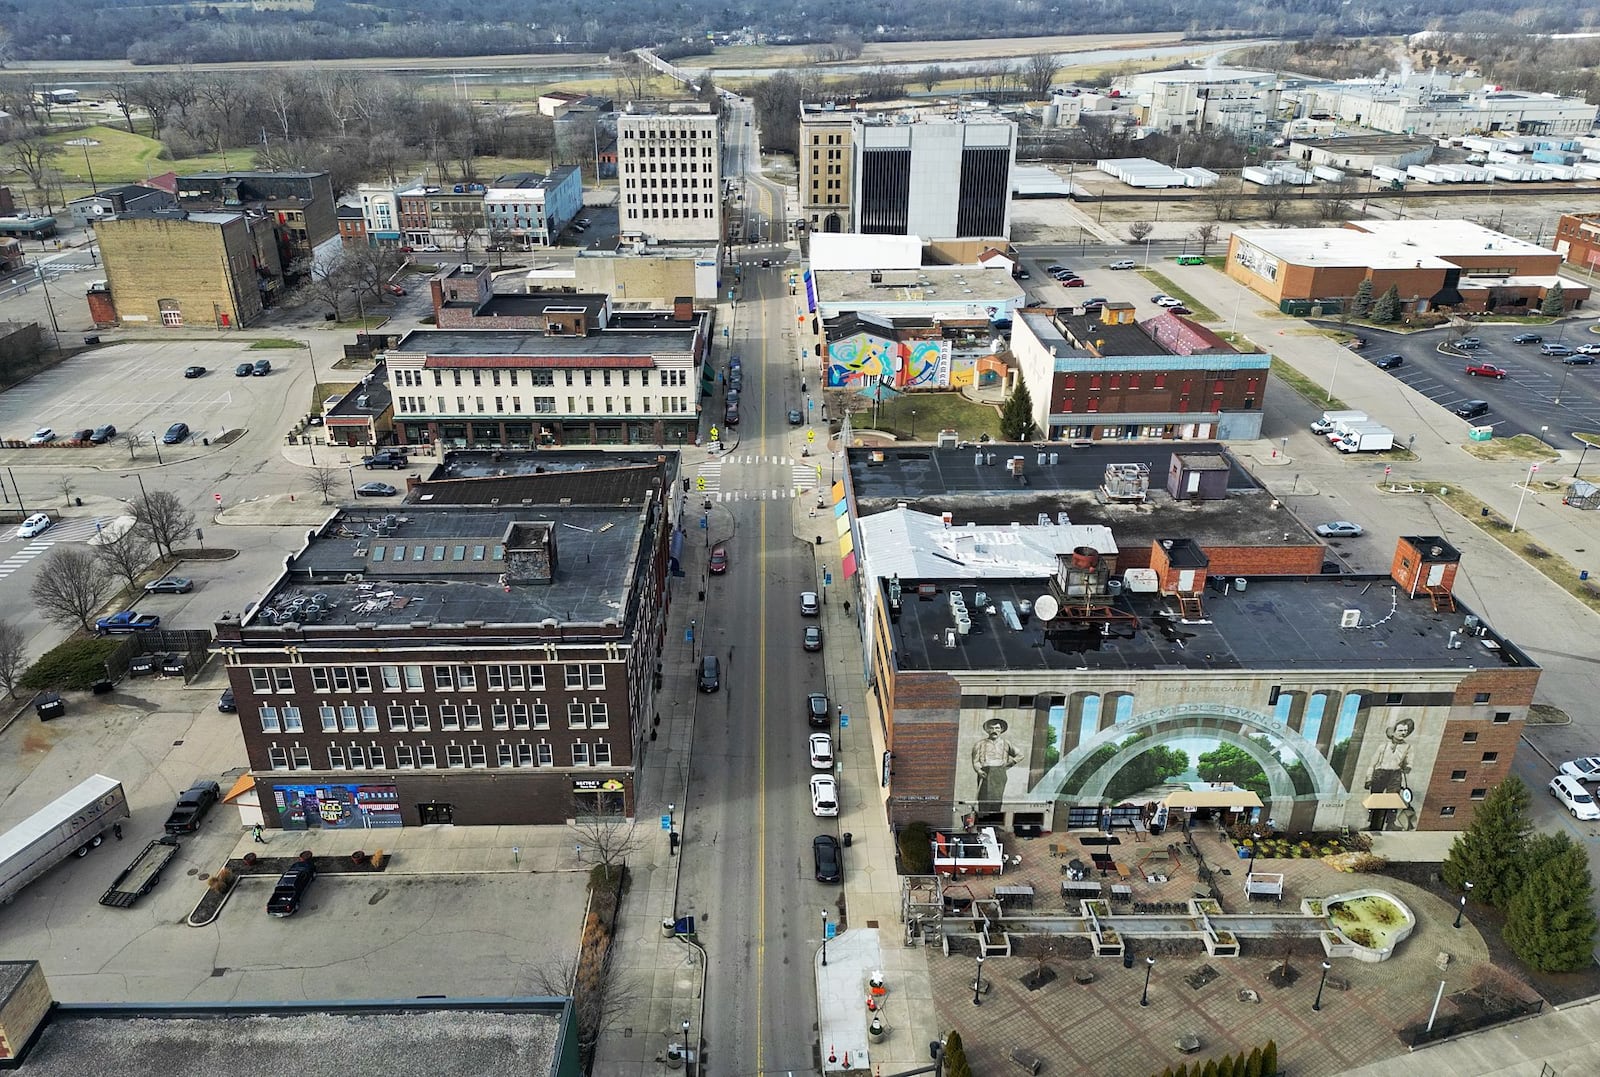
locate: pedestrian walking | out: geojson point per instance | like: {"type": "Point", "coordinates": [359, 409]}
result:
{"type": "Point", "coordinates": [255, 832]}
{"type": "Point", "coordinates": [116, 828]}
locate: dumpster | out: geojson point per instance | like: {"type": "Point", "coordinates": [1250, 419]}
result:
{"type": "Point", "coordinates": [49, 706]}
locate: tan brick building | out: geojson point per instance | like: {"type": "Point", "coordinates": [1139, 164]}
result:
{"type": "Point", "coordinates": [185, 269]}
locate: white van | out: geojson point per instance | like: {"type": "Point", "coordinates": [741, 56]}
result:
{"type": "Point", "coordinates": [1571, 793]}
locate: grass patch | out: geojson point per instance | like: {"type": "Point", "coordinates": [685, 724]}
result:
{"type": "Point", "coordinates": [1547, 714]}
{"type": "Point", "coordinates": [275, 342]}
{"type": "Point", "coordinates": [935, 412]}
{"type": "Point", "coordinates": [1558, 570]}
{"type": "Point", "coordinates": [1521, 447]}
{"type": "Point", "coordinates": [1307, 388]}
{"type": "Point", "coordinates": [1166, 284]}
{"type": "Point", "coordinates": [124, 158]}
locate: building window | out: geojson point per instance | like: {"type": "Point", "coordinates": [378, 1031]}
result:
{"type": "Point", "coordinates": [546, 755]}
{"type": "Point", "coordinates": [524, 754]}
{"type": "Point", "coordinates": [1469, 738]}
{"type": "Point", "coordinates": [580, 754]}
{"type": "Point", "coordinates": [419, 716]}
{"type": "Point", "coordinates": [449, 716]}
{"type": "Point", "coordinates": [477, 755]}
{"type": "Point", "coordinates": [597, 675]}
{"type": "Point", "coordinates": [260, 680]}
{"type": "Point", "coordinates": [466, 676]}
{"type": "Point", "coordinates": [443, 678]}
{"type": "Point", "coordinates": [1447, 812]}
{"type": "Point", "coordinates": [404, 758]}
{"type": "Point", "coordinates": [502, 754]}
{"type": "Point", "coordinates": [1502, 717]}
{"type": "Point", "coordinates": [299, 757]}
{"type": "Point", "coordinates": [599, 716]}
{"type": "Point", "coordinates": [426, 756]}
{"type": "Point", "coordinates": [282, 679]}
{"type": "Point", "coordinates": [390, 675]}
{"type": "Point", "coordinates": [347, 719]}
{"type": "Point", "coordinates": [277, 758]}
{"type": "Point", "coordinates": [495, 678]}
{"type": "Point", "coordinates": [576, 713]}
{"type": "Point", "coordinates": [574, 673]}
{"type": "Point", "coordinates": [1491, 757]}
{"type": "Point", "coordinates": [358, 757]}
{"type": "Point", "coordinates": [1480, 697]}
{"type": "Point", "coordinates": [602, 754]}
{"type": "Point", "coordinates": [291, 720]}
{"type": "Point", "coordinates": [1479, 793]}
{"type": "Point", "coordinates": [269, 720]}
{"type": "Point", "coordinates": [1458, 775]}
{"type": "Point", "coordinates": [397, 717]}
{"type": "Point", "coordinates": [499, 715]}
{"type": "Point", "coordinates": [375, 751]}
{"type": "Point", "coordinates": [335, 757]}
{"type": "Point", "coordinates": [369, 718]}
{"type": "Point", "coordinates": [454, 755]}
{"type": "Point", "coordinates": [541, 715]}
{"type": "Point", "coordinates": [413, 673]}
{"type": "Point", "coordinates": [1395, 699]}
{"type": "Point", "coordinates": [330, 720]}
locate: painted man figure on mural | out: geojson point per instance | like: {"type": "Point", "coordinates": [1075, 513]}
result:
{"type": "Point", "coordinates": [991, 758]}
{"type": "Point", "coordinates": [1391, 769]}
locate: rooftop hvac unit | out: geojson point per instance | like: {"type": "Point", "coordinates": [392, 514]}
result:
{"type": "Point", "coordinates": [1350, 619]}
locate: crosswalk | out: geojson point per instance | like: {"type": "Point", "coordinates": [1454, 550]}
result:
{"type": "Point", "coordinates": [712, 479]}
{"type": "Point", "coordinates": [66, 531]}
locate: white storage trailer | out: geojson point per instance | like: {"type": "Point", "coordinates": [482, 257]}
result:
{"type": "Point", "coordinates": [70, 825]}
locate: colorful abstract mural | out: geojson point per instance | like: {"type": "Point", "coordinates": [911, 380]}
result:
{"type": "Point", "coordinates": [864, 358]}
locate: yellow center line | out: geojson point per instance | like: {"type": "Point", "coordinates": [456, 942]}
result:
{"type": "Point", "coordinates": [761, 739]}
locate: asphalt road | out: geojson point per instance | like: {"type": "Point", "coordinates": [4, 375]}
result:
{"type": "Point", "coordinates": [747, 851]}
{"type": "Point", "coordinates": [1538, 392]}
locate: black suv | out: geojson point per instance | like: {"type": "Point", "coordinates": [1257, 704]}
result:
{"type": "Point", "coordinates": [1527, 338]}
{"type": "Point", "coordinates": [828, 858]}
{"type": "Point", "coordinates": [817, 710]}
{"type": "Point", "coordinates": [1388, 362]}
{"type": "Point", "coordinates": [291, 889]}
{"type": "Point", "coordinates": [710, 673]}
{"type": "Point", "coordinates": [1471, 409]}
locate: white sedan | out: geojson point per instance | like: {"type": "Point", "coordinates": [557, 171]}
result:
{"type": "Point", "coordinates": [1586, 769]}
{"type": "Point", "coordinates": [37, 524]}
{"type": "Point", "coordinates": [821, 751]}
{"type": "Point", "coordinates": [1339, 529]}
{"type": "Point", "coordinates": [824, 795]}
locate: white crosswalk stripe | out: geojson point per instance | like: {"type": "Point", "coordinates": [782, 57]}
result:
{"type": "Point", "coordinates": [805, 476]}
{"type": "Point", "coordinates": [23, 556]}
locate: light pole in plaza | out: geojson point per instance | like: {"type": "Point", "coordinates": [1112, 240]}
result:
{"type": "Point", "coordinates": [977, 983]}
{"type": "Point", "coordinates": [1149, 966]}
{"type": "Point", "coordinates": [1317, 1005]}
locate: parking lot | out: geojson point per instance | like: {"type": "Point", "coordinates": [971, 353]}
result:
{"type": "Point", "coordinates": [141, 388]}
{"type": "Point", "coordinates": [1537, 391]}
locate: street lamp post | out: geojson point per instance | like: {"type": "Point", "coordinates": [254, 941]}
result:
{"type": "Point", "coordinates": [1525, 484]}
{"type": "Point", "coordinates": [824, 938]}
{"type": "Point", "coordinates": [688, 1055]}
{"type": "Point", "coordinates": [1466, 889]}
{"type": "Point", "coordinates": [1149, 966]}
{"type": "Point", "coordinates": [977, 983]}
{"type": "Point", "coordinates": [913, 424]}
{"type": "Point", "coordinates": [1317, 1005]}
{"type": "Point", "coordinates": [1581, 456]}
{"type": "Point", "coordinates": [1254, 844]}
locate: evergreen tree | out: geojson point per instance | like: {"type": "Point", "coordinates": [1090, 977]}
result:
{"type": "Point", "coordinates": [1168, 1072]}
{"type": "Point", "coordinates": [1363, 300]}
{"type": "Point", "coordinates": [1549, 923]}
{"type": "Point", "coordinates": [1555, 302]}
{"type": "Point", "coordinates": [1211, 1068]}
{"type": "Point", "coordinates": [1269, 1059]}
{"type": "Point", "coordinates": [955, 1057]}
{"type": "Point", "coordinates": [1488, 853]}
{"type": "Point", "coordinates": [1252, 1067]}
{"type": "Point", "coordinates": [1386, 311]}
{"type": "Point", "coordinates": [1016, 414]}
{"type": "Point", "coordinates": [1225, 1068]}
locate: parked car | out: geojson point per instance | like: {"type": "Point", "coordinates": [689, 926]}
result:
{"type": "Point", "coordinates": [1340, 529]}
{"type": "Point", "coordinates": [1355, 344]}
{"type": "Point", "coordinates": [1469, 343]}
{"type": "Point", "coordinates": [1121, 263]}
{"type": "Point", "coordinates": [394, 459]}
{"type": "Point", "coordinates": [1471, 409]}
{"type": "Point", "coordinates": [375, 489]}
{"type": "Point", "coordinates": [824, 796]}
{"type": "Point", "coordinates": [42, 436]}
{"type": "Point", "coordinates": [730, 414]}
{"type": "Point", "coordinates": [125, 622]}
{"type": "Point", "coordinates": [394, 289]}
{"type": "Point", "coordinates": [1389, 362]}
{"type": "Point", "coordinates": [1095, 302]}
{"type": "Point", "coordinates": [1574, 797]}
{"type": "Point", "coordinates": [821, 746]}
{"type": "Point", "coordinates": [1486, 370]}
{"type": "Point", "coordinates": [811, 638]}
{"type": "Point", "coordinates": [191, 808]}
{"type": "Point", "coordinates": [1585, 769]}
{"type": "Point", "coordinates": [170, 585]}
{"type": "Point", "coordinates": [1162, 299]}
{"type": "Point", "coordinates": [809, 606]}
{"type": "Point", "coordinates": [1074, 282]}
{"type": "Point", "coordinates": [1527, 338]}
{"type": "Point", "coordinates": [102, 434]}
{"type": "Point", "coordinates": [1023, 274]}
{"type": "Point", "coordinates": [1555, 349]}
{"type": "Point", "coordinates": [1055, 267]}
{"type": "Point", "coordinates": [176, 434]}
{"type": "Point", "coordinates": [1179, 309]}
{"type": "Point", "coordinates": [194, 371]}
{"type": "Point", "coordinates": [242, 370]}
{"type": "Point", "coordinates": [717, 564]}
{"type": "Point", "coordinates": [291, 889]}
{"type": "Point", "coordinates": [82, 434]}
{"type": "Point", "coordinates": [1579, 360]}
{"type": "Point", "coordinates": [37, 524]}
{"type": "Point", "coordinates": [818, 710]}
{"type": "Point", "coordinates": [827, 858]}
{"type": "Point", "coordinates": [225, 702]}
{"type": "Point", "coordinates": [795, 418]}
{"type": "Point", "coordinates": [1587, 349]}
{"type": "Point", "coordinates": [262, 368]}
{"type": "Point", "coordinates": [1191, 260]}
{"type": "Point", "coordinates": [710, 673]}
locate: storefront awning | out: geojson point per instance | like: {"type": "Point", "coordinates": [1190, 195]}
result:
{"type": "Point", "coordinates": [1383, 800]}
{"type": "Point", "coordinates": [1219, 798]}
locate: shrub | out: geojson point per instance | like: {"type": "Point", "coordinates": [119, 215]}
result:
{"type": "Point", "coordinates": [1269, 1059]}
{"type": "Point", "coordinates": [221, 882]}
{"type": "Point", "coordinates": [73, 663]}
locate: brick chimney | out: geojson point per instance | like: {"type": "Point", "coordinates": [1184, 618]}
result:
{"type": "Point", "coordinates": [683, 309]}
{"type": "Point", "coordinates": [530, 553]}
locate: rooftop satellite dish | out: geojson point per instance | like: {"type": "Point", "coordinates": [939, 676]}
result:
{"type": "Point", "coordinates": [1045, 607]}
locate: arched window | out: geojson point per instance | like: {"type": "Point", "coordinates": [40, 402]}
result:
{"type": "Point", "coordinates": [1311, 724]}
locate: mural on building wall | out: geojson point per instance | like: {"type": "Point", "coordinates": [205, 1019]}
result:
{"type": "Point", "coordinates": [1310, 751]}
{"type": "Point", "coordinates": [337, 807]}
{"type": "Point", "coordinates": [863, 359]}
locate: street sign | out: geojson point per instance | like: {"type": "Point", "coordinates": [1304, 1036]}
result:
{"type": "Point", "coordinates": [844, 720]}
{"type": "Point", "coordinates": [218, 498]}
{"type": "Point", "coordinates": [700, 482]}
{"type": "Point", "coordinates": [819, 472]}
{"type": "Point", "coordinates": [811, 435]}
{"type": "Point", "coordinates": [713, 433]}
{"type": "Point", "coordinates": [830, 929]}
{"type": "Point", "coordinates": [827, 578]}
{"type": "Point", "coordinates": [666, 822]}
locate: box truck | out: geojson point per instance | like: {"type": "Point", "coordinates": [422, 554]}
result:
{"type": "Point", "coordinates": [1366, 437]}
{"type": "Point", "coordinates": [1328, 421]}
{"type": "Point", "coordinates": [70, 825]}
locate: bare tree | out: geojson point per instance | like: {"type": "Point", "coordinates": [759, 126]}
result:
{"type": "Point", "coordinates": [163, 519]}
{"type": "Point", "coordinates": [600, 996]}
{"type": "Point", "coordinates": [66, 484]}
{"type": "Point", "coordinates": [71, 587]}
{"type": "Point", "coordinates": [1204, 235]}
{"type": "Point", "coordinates": [13, 656]}
{"type": "Point", "coordinates": [325, 480]}
{"type": "Point", "coordinates": [132, 439]}
{"type": "Point", "coordinates": [609, 837]}
{"type": "Point", "coordinates": [931, 77]}
{"type": "Point", "coordinates": [1223, 198]}
{"type": "Point", "coordinates": [123, 93]}
{"type": "Point", "coordinates": [31, 154]}
{"type": "Point", "coordinates": [1138, 230]}
{"type": "Point", "coordinates": [126, 554]}
{"type": "Point", "coordinates": [1335, 201]}
{"type": "Point", "coordinates": [1038, 72]}
{"type": "Point", "coordinates": [1271, 199]}
{"type": "Point", "coordinates": [326, 281]}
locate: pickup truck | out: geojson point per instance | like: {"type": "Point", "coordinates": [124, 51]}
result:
{"type": "Point", "coordinates": [389, 458]}
{"type": "Point", "coordinates": [192, 805]}
{"type": "Point", "coordinates": [1485, 370]}
{"type": "Point", "coordinates": [125, 622]}
{"type": "Point", "coordinates": [291, 889]}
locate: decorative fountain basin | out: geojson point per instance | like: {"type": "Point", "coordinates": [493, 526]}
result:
{"type": "Point", "coordinates": [1368, 924]}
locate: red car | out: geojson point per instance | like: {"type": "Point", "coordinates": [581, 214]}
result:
{"type": "Point", "coordinates": [394, 289]}
{"type": "Point", "coordinates": [1074, 282]}
{"type": "Point", "coordinates": [1485, 370]}
{"type": "Point", "coordinates": [719, 561]}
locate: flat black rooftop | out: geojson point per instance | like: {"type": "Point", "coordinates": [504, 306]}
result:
{"type": "Point", "coordinates": [537, 305]}
{"type": "Point", "coordinates": [951, 480]}
{"type": "Point", "coordinates": [444, 564]}
{"type": "Point", "coordinates": [1277, 623]}
{"type": "Point", "coordinates": [628, 333]}
{"type": "Point", "coordinates": [340, 1039]}
{"type": "Point", "coordinates": [564, 476]}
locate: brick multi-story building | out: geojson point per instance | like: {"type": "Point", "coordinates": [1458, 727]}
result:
{"type": "Point", "coordinates": [175, 268]}
{"type": "Point", "coordinates": [826, 166]}
{"type": "Point", "coordinates": [459, 661]}
{"type": "Point", "coordinates": [546, 369]}
{"type": "Point", "coordinates": [1020, 669]}
{"type": "Point", "coordinates": [1105, 376]}
{"type": "Point", "coordinates": [528, 209]}
{"type": "Point", "coordinates": [298, 205]}
{"type": "Point", "coordinates": [670, 172]}
{"type": "Point", "coordinates": [1578, 240]}
{"type": "Point", "coordinates": [352, 226]}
